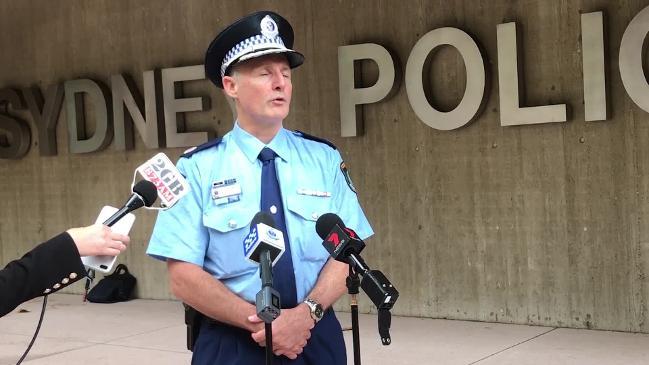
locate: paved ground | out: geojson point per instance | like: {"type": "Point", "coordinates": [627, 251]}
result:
{"type": "Point", "coordinates": [152, 331]}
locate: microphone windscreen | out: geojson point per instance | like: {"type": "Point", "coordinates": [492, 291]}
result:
{"type": "Point", "coordinates": [263, 217]}
{"type": "Point", "coordinates": [326, 223]}
{"type": "Point", "coordinates": [147, 190]}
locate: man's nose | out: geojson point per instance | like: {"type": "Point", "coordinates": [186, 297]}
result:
{"type": "Point", "coordinates": [279, 81]}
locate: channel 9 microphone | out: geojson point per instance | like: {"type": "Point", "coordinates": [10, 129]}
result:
{"type": "Point", "coordinates": [265, 245]}
{"type": "Point", "coordinates": [344, 245]}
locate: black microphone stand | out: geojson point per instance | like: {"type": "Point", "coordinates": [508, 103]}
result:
{"type": "Point", "coordinates": [353, 283]}
{"type": "Point", "coordinates": [380, 291]}
{"type": "Point", "coordinates": [267, 301]}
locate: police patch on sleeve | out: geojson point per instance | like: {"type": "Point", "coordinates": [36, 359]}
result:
{"type": "Point", "coordinates": [348, 179]}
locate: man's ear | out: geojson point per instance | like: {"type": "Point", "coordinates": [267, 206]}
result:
{"type": "Point", "coordinates": [229, 86]}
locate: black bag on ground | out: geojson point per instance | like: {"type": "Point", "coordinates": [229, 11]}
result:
{"type": "Point", "coordinates": [116, 287]}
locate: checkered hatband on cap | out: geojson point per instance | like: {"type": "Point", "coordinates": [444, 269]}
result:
{"type": "Point", "coordinates": [252, 44]}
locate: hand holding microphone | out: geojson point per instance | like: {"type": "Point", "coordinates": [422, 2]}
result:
{"type": "Point", "coordinates": [162, 179]}
{"type": "Point", "coordinates": [144, 194]}
{"type": "Point", "coordinates": [98, 240]}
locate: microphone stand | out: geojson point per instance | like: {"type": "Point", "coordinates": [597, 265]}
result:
{"type": "Point", "coordinates": [353, 283]}
{"type": "Point", "coordinates": [267, 301]}
{"type": "Point", "coordinates": [380, 291]}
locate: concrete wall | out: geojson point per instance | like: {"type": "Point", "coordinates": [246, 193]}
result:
{"type": "Point", "coordinates": [541, 224]}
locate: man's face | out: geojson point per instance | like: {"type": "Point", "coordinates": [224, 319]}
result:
{"type": "Point", "coordinates": [262, 87]}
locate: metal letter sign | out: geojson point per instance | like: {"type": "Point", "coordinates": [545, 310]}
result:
{"type": "Point", "coordinates": [475, 79]}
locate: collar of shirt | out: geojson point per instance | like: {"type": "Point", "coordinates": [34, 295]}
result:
{"type": "Point", "coordinates": [251, 146]}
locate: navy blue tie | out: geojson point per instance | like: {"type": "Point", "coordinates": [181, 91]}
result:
{"type": "Point", "coordinates": [271, 201]}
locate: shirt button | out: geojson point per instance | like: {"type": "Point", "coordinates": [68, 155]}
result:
{"type": "Point", "coordinates": [65, 281]}
{"type": "Point", "coordinates": [47, 291]}
{"type": "Point", "coordinates": [73, 275]}
{"type": "Point", "coordinates": [232, 223]}
{"type": "Point", "coordinates": [273, 209]}
{"type": "Point", "coordinates": [56, 286]}
{"type": "Point", "coordinates": [314, 215]}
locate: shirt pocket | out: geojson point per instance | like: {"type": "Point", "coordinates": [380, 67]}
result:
{"type": "Point", "coordinates": [307, 209]}
{"type": "Point", "coordinates": [228, 226]}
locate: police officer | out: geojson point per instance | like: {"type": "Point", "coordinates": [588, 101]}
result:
{"type": "Point", "coordinates": [55, 264]}
{"type": "Point", "coordinates": [258, 165]}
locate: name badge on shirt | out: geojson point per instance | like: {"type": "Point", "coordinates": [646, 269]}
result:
{"type": "Point", "coordinates": [311, 192]}
{"type": "Point", "coordinates": [226, 191]}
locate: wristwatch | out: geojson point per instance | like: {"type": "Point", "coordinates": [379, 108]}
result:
{"type": "Point", "coordinates": [316, 309]}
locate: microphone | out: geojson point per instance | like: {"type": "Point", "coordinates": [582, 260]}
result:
{"type": "Point", "coordinates": [265, 245]}
{"type": "Point", "coordinates": [263, 236]}
{"type": "Point", "coordinates": [344, 245]}
{"type": "Point", "coordinates": [166, 178]}
{"type": "Point", "coordinates": [144, 194]}
{"type": "Point", "coordinates": [341, 242]}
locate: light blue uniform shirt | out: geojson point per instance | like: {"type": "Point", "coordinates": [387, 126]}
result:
{"type": "Point", "coordinates": [209, 232]}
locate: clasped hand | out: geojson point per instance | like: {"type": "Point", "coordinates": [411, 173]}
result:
{"type": "Point", "coordinates": [291, 331]}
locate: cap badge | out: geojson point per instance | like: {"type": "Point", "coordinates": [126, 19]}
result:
{"type": "Point", "coordinates": [268, 27]}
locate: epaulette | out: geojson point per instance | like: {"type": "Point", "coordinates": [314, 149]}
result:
{"type": "Point", "coordinates": [314, 138]}
{"type": "Point", "coordinates": [204, 146]}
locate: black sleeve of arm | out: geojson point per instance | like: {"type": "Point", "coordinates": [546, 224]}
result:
{"type": "Point", "coordinates": [55, 261]}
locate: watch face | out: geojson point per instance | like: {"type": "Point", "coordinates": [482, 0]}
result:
{"type": "Point", "coordinates": [318, 311]}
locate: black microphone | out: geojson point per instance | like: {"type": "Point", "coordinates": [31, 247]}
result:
{"type": "Point", "coordinates": [344, 245]}
{"type": "Point", "coordinates": [144, 194]}
{"type": "Point", "coordinates": [341, 242]}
